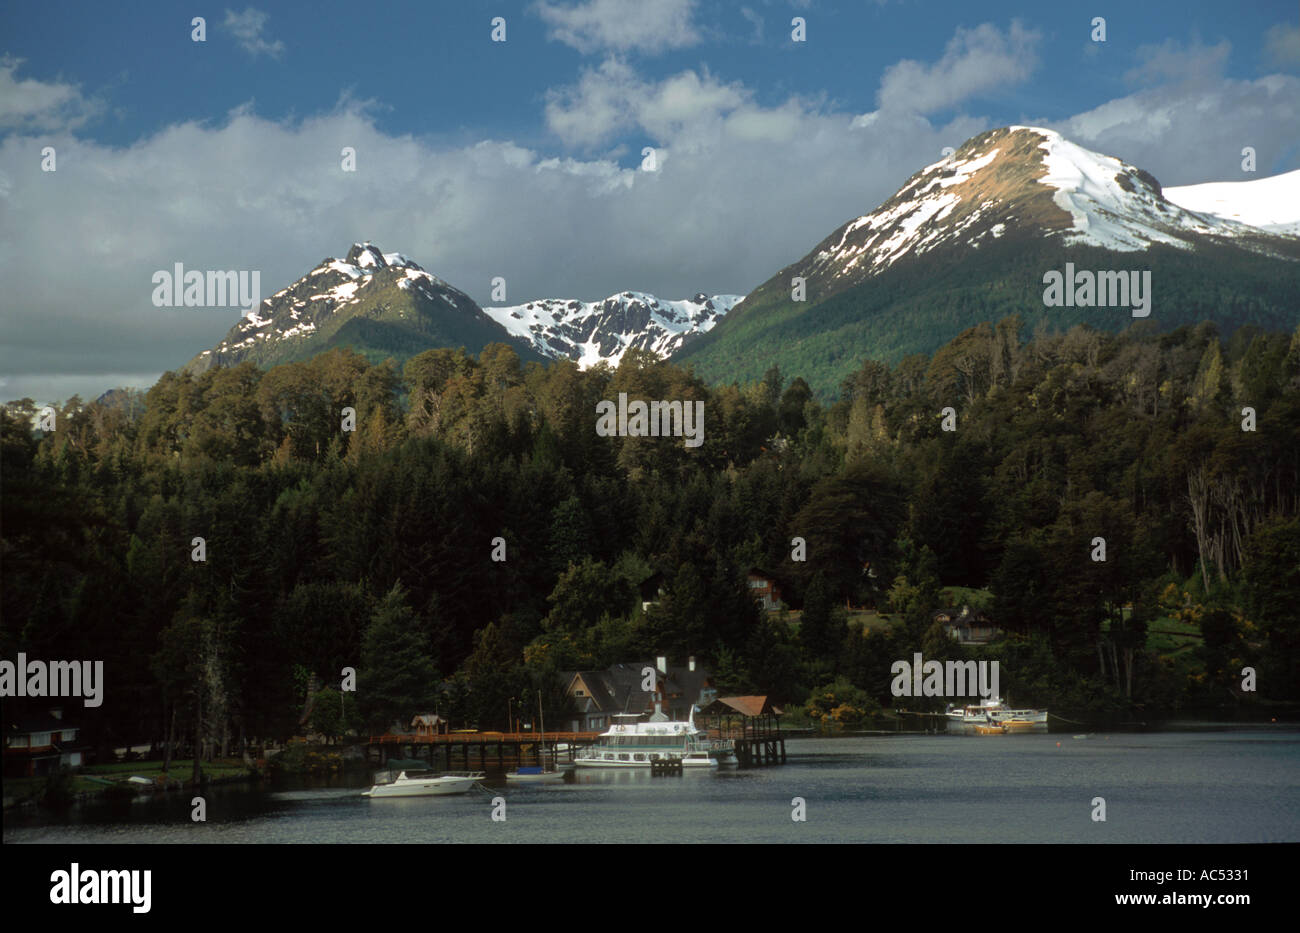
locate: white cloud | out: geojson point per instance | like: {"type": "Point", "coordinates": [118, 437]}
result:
{"type": "Point", "coordinates": [1185, 134]}
{"type": "Point", "coordinates": [1282, 45]}
{"type": "Point", "coordinates": [28, 105]}
{"type": "Point", "coordinates": [247, 29]}
{"type": "Point", "coordinates": [974, 61]}
{"type": "Point", "coordinates": [741, 191]}
{"type": "Point", "coordinates": [1171, 62]}
{"type": "Point", "coordinates": [622, 25]}
{"type": "Point", "coordinates": [689, 108]}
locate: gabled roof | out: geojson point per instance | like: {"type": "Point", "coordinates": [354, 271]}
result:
{"type": "Point", "coordinates": [617, 689]}
{"type": "Point", "coordinates": [746, 706]}
{"type": "Point", "coordinates": [26, 723]}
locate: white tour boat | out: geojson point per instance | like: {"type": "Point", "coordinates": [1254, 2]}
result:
{"type": "Point", "coordinates": [423, 783]}
{"type": "Point", "coordinates": [993, 712]}
{"type": "Point", "coordinates": [630, 743]}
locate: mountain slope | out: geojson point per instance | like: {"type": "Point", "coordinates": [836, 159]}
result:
{"type": "Point", "coordinates": [591, 331]}
{"type": "Point", "coordinates": [969, 239]}
{"type": "Point", "coordinates": [379, 304]}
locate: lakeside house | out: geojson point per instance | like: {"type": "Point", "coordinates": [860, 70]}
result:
{"type": "Point", "coordinates": [598, 695]}
{"type": "Point", "coordinates": [39, 741]}
{"type": "Point", "coordinates": [969, 627]}
{"type": "Point", "coordinates": [764, 589]}
{"type": "Point", "coordinates": [428, 724]}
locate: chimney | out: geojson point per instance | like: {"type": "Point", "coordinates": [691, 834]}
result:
{"type": "Point", "coordinates": [662, 663]}
{"type": "Point", "coordinates": [690, 663]}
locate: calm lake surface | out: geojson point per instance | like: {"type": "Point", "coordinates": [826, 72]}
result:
{"type": "Point", "coordinates": [1191, 786]}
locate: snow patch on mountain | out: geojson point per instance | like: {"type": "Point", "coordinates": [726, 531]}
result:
{"type": "Point", "coordinates": [1114, 204]}
{"type": "Point", "coordinates": [1271, 204]}
{"type": "Point", "coordinates": [591, 331]}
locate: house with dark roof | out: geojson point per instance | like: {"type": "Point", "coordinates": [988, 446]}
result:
{"type": "Point", "coordinates": [598, 695]}
{"type": "Point", "coordinates": [969, 626]}
{"type": "Point", "coordinates": [36, 742]}
{"type": "Point", "coordinates": [652, 589]}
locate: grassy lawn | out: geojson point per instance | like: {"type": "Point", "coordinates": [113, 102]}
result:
{"type": "Point", "coordinates": [82, 781]}
{"type": "Point", "coordinates": [966, 596]}
{"type": "Point", "coordinates": [180, 768]}
{"type": "Point", "coordinates": [25, 788]}
{"type": "Point", "coordinates": [857, 620]}
{"type": "Point", "coordinates": [868, 620]}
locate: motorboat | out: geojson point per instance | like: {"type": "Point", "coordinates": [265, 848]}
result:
{"type": "Point", "coordinates": [423, 783]}
{"type": "Point", "coordinates": [992, 711]}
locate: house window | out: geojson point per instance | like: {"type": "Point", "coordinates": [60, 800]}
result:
{"type": "Point", "coordinates": [580, 693]}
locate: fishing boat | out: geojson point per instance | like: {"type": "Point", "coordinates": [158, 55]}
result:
{"type": "Point", "coordinates": [631, 743]}
{"type": "Point", "coordinates": [537, 775]}
{"type": "Point", "coordinates": [422, 783]}
{"type": "Point", "coordinates": [992, 711]}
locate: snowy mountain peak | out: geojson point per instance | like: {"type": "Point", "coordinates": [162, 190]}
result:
{"type": "Point", "coordinates": [1019, 180]}
{"type": "Point", "coordinates": [366, 256]}
{"type": "Point", "coordinates": [368, 291]}
{"type": "Point", "coordinates": [591, 331]}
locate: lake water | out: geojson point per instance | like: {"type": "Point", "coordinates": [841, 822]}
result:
{"type": "Point", "coordinates": [1207, 786]}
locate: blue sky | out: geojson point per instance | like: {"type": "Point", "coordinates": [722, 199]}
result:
{"type": "Point", "coordinates": [522, 158]}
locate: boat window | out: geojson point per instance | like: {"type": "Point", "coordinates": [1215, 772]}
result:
{"type": "Point", "coordinates": [622, 757]}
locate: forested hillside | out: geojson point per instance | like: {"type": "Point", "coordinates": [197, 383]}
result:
{"type": "Point", "coordinates": [374, 548]}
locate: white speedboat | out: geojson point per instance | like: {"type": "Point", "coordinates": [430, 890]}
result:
{"type": "Point", "coordinates": [631, 743]}
{"type": "Point", "coordinates": [424, 784]}
{"type": "Point", "coordinates": [993, 712]}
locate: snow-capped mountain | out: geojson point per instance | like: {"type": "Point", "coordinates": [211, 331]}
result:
{"type": "Point", "coordinates": [1026, 177]}
{"type": "Point", "coordinates": [970, 239]}
{"type": "Point", "coordinates": [380, 304]}
{"type": "Point", "coordinates": [591, 331]}
{"type": "Point", "coordinates": [1271, 204]}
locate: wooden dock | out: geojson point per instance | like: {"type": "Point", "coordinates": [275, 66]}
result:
{"type": "Point", "coordinates": [479, 749]}
{"type": "Point", "coordinates": [760, 747]}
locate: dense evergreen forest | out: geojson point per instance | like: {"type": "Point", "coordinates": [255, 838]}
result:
{"type": "Point", "coordinates": [374, 548]}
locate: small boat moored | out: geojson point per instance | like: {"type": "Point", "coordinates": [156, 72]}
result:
{"type": "Point", "coordinates": [423, 783]}
{"type": "Point", "coordinates": [993, 712]}
{"type": "Point", "coordinates": [535, 775]}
